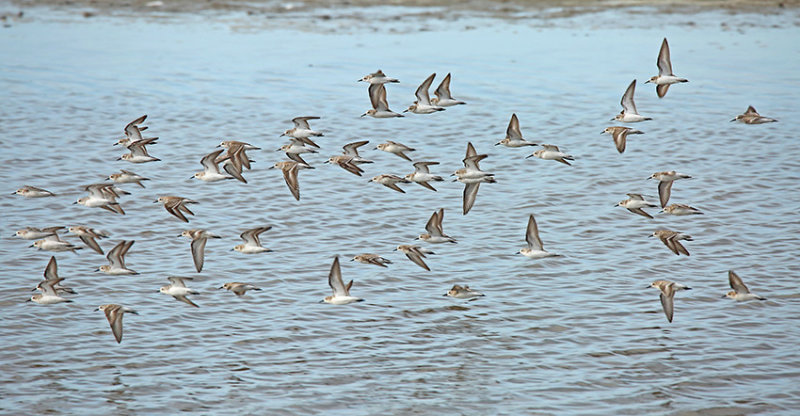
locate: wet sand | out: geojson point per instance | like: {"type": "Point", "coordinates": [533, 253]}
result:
{"type": "Point", "coordinates": [375, 10]}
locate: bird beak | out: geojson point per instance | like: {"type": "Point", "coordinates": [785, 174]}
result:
{"type": "Point", "coordinates": [97, 270]}
{"type": "Point", "coordinates": [363, 114]}
{"type": "Point", "coordinates": [647, 82]}
{"type": "Point", "coordinates": [733, 120]}
{"type": "Point", "coordinates": [602, 132]}
{"type": "Point", "coordinates": [29, 300]}
{"type": "Point", "coordinates": [651, 235]}
{"type": "Point", "coordinates": [612, 119]}
{"type": "Point", "coordinates": [282, 134]}
{"type": "Point", "coordinates": [30, 245]}
{"type": "Point", "coordinates": [724, 296]}
{"type": "Point", "coordinates": [495, 145]}
{"type": "Point", "coordinates": [405, 111]}
{"type": "Point", "coordinates": [322, 301]}
{"type": "Point", "coordinates": [74, 202]}
{"type": "Point", "coordinates": [221, 287]}
{"type": "Point", "coordinates": [530, 155]}
{"type": "Point", "coordinates": [155, 202]}
{"type": "Point", "coordinates": [191, 177]}
{"type": "Point", "coordinates": [96, 309]}
{"type": "Point", "coordinates": [445, 294]}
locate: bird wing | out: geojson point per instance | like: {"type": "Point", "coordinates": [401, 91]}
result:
{"type": "Point", "coordinates": [335, 279]}
{"type": "Point", "coordinates": [377, 97]}
{"type": "Point", "coordinates": [664, 191]}
{"type": "Point", "coordinates": [290, 176]}
{"type": "Point", "coordinates": [115, 256]}
{"type": "Point", "coordinates": [416, 256]}
{"type": "Point", "coordinates": [628, 106]}
{"type": "Point", "coordinates": [619, 136]}
{"type": "Point", "coordinates": [51, 271]}
{"type": "Point", "coordinates": [532, 234]}
{"type": "Point", "coordinates": [351, 149]}
{"type": "Point", "coordinates": [432, 226]}
{"type": "Point", "coordinates": [470, 150]}
{"type": "Point", "coordinates": [178, 281]}
{"type": "Point", "coordinates": [114, 316]}
{"type": "Point", "coordinates": [422, 167]}
{"type": "Point", "coordinates": [209, 161]}
{"type": "Point", "coordinates": [198, 252]}
{"type": "Point", "coordinates": [443, 90]}
{"type": "Point", "coordinates": [302, 122]}
{"type": "Point", "coordinates": [640, 212]}
{"type": "Point", "coordinates": [470, 193]}
{"type": "Point", "coordinates": [736, 282]}
{"type": "Point", "coordinates": [472, 162]}
{"type": "Point", "coordinates": [513, 131]}
{"type": "Point", "coordinates": [664, 63]}
{"type": "Point", "coordinates": [91, 243]}
{"type": "Point", "coordinates": [184, 299]}
{"type": "Point", "coordinates": [132, 130]}
{"type": "Point", "coordinates": [666, 303]}
{"type": "Point", "coordinates": [422, 90]}
{"type": "Point", "coordinates": [234, 169]}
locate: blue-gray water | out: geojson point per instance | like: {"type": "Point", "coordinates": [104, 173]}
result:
{"type": "Point", "coordinates": [579, 334]}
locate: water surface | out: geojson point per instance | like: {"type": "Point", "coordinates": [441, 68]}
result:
{"type": "Point", "coordinates": [579, 334]}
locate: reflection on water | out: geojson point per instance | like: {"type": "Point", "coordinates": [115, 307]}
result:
{"type": "Point", "coordinates": [575, 334]}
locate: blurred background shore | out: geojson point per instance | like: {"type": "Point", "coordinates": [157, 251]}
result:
{"type": "Point", "coordinates": [362, 13]}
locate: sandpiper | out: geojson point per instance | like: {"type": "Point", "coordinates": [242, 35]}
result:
{"type": "Point", "coordinates": [668, 290]}
{"type": "Point", "coordinates": [740, 291]}
{"type": "Point", "coordinates": [116, 260]}
{"type": "Point", "coordinates": [380, 107]}
{"type": "Point", "coordinates": [629, 113]}
{"type": "Point", "coordinates": [665, 180]}
{"type": "Point", "coordinates": [751, 116]}
{"type": "Point", "coordinates": [671, 239]}
{"type": "Point", "coordinates": [199, 238]}
{"type": "Point", "coordinates": [443, 97]}
{"type": "Point", "coordinates": [114, 314]}
{"type": "Point", "coordinates": [341, 292]}
{"type": "Point", "coordinates": [665, 77]}
{"type": "Point", "coordinates": [422, 175]}
{"type": "Point", "coordinates": [435, 234]}
{"type": "Point", "coordinates": [463, 292]}
{"type": "Point", "coordinates": [423, 103]}
{"type": "Point", "coordinates": [620, 135]}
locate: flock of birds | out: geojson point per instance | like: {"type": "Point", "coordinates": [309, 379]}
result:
{"type": "Point", "coordinates": [234, 161]}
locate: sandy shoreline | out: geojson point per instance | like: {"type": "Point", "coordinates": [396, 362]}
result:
{"type": "Point", "coordinates": [488, 8]}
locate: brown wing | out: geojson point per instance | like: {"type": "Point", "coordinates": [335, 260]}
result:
{"type": "Point", "coordinates": [640, 212]}
{"type": "Point", "coordinates": [290, 176]}
{"type": "Point", "coordinates": [661, 90]}
{"type": "Point", "coordinates": [664, 191]}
